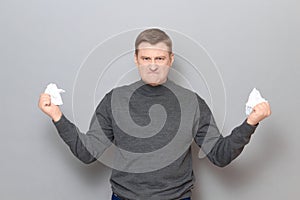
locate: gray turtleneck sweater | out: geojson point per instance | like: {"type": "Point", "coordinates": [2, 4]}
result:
{"type": "Point", "coordinates": [151, 129]}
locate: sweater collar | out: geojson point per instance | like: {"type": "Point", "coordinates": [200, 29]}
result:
{"type": "Point", "coordinates": [149, 90]}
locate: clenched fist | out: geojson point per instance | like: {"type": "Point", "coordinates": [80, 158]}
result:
{"type": "Point", "coordinates": [259, 112]}
{"type": "Point", "coordinates": [49, 108]}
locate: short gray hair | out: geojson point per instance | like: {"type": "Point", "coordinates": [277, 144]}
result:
{"type": "Point", "coordinates": [153, 36]}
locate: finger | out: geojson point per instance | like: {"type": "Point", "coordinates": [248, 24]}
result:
{"type": "Point", "coordinates": [45, 100]}
{"type": "Point", "coordinates": [262, 106]}
{"type": "Point", "coordinates": [262, 109]}
{"type": "Point", "coordinates": [44, 95]}
{"type": "Point", "coordinates": [259, 110]}
{"type": "Point", "coordinates": [267, 108]}
{"type": "Point", "coordinates": [258, 107]}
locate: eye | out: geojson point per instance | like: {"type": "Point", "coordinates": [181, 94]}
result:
{"type": "Point", "coordinates": [160, 58]}
{"type": "Point", "coordinates": [145, 58]}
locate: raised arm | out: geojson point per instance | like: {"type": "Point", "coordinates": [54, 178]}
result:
{"type": "Point", "coordinates": [222, 150]}
{"type": "Point", "coordinates": [86, 147]}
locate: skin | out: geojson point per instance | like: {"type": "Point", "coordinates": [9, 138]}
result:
{"type": "Point", "coordinates": [153, 62]}
{"type": "Point", "coordinates": [53, 111]}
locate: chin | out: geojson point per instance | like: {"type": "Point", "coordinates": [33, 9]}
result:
{"type": "Point", "coordinates": [152, 82]}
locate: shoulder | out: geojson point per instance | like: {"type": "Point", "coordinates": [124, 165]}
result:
{"type": "Point", "coordinates": [117, 91]}
{"type": "Point", "coordinates": [185, 93]}
{"type": "Point", "coordinates": [192, 97]}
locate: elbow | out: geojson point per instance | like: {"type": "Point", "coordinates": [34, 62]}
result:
{"type": "Point", "coordinates": [85, 157]}
{"type": "Point", "coordinates": [88, 161]}
{"type": "Point", "coordinates": [222, 163]}
{"type": "Point", "coordinates": [219, 160]}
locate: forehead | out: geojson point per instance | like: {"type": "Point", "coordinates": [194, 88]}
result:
{"type": "Point", "coordinates": [156, 49]}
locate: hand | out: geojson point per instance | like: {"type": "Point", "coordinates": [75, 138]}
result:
{"type": "Point", "coordinates": [49, 108]}
{"type": "Point", "coordinates": [259, 112]}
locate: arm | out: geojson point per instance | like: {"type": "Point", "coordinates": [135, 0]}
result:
{"type": "Point", "coordinates": [222, 150]}
{"type": "Point", "coordinates": [70, 134]}
{"type": "Point", "coordinates": [86, 147]}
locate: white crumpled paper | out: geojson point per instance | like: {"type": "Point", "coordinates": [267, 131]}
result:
{"type": "Point", "coordinates": [54, 92]}
{"type": "Point", "coordinates": [254, 99]}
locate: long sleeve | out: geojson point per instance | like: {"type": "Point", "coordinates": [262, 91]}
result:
{"type": "Point", "coordinates": [90, 146]}
{"type": "Point", "coordinates": [220, 150]}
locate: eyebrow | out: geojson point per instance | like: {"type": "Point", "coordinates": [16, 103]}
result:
{"type": "Point", "coordinates": [154, 57]}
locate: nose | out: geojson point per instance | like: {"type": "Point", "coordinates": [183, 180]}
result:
{"type": "Point", "coordinates": [153, 67]}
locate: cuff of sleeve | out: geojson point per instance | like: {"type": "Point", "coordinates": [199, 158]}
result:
{"type": "Point", "coordinates": [62, 118]}
{"type": "Point", "coordinates": [247, 129]}
{"type": "Point", "coordinates": [60, 124]}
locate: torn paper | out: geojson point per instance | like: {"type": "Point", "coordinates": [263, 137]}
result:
{"type": "Point", "coordinates": [254, 99]}
{"type": "Point", "coordinates": [54, 92]}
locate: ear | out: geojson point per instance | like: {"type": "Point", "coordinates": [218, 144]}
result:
{"type": "Point", "coordinates": [171, 58]}
{"type": "Point", "coordinates": [136, 59]}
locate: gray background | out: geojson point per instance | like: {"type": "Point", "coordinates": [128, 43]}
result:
{"type": "Point", "coordinates": [253, 43]}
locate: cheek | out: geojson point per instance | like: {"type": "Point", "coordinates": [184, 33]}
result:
{"type": "Point", "coordinates": [142, 70]}
{"type": "Point", "coordinates": [166, 70]}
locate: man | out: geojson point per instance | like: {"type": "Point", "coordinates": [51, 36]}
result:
{"type": "Point", "coordinates": [186, 117]}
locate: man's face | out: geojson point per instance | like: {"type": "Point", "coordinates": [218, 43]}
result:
{"type": "Point", "coordinates": [154, 62]}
